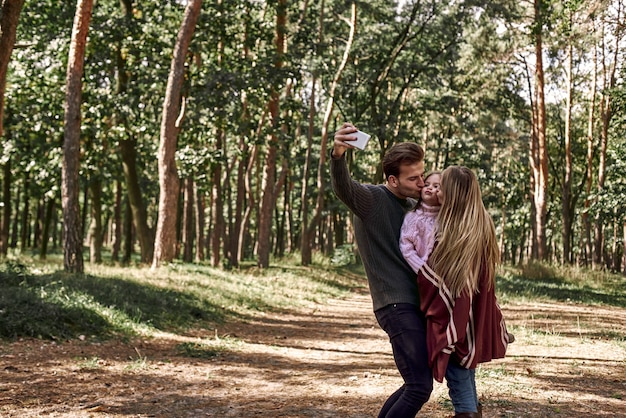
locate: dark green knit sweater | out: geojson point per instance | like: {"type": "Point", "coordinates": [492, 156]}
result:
{"type": "Point", "coordinates": [377, 222]}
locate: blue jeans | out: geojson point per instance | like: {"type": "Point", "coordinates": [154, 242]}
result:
{"type": "Point", "coordinates": [406, 326]}
{"type": "Point", "coordinates": [462, 387]}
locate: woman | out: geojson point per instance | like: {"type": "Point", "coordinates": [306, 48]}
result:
{"type": "Point", "coordinates": [457, 290]}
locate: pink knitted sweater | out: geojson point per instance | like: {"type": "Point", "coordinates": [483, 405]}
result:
{"type": "Point", "coordinates": [417, 235]}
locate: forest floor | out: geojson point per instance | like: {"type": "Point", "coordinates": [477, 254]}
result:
{"type": "Point", "coordinates": [330, 360]}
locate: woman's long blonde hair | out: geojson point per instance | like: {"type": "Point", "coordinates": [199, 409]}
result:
{"type": "Point", "coordinates": [466, 236]}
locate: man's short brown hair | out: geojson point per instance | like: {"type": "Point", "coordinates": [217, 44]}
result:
{"type": "Point", "coordinates": [400, 154]}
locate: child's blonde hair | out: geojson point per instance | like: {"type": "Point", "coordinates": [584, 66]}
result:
{"type": "Point", "coordinates": [466, 236]}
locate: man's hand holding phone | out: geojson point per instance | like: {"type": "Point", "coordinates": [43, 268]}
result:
{"type": "Point", "coordinates": [361, 140]}
{"type": "Point", "coordinates": [349, 137]}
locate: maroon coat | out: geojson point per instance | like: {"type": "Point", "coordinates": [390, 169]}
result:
{"type": "Point", "coordinates": [470, 327]}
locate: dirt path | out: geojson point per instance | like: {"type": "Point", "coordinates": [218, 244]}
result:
{"type": "Point", "coordinates": [325, 361]}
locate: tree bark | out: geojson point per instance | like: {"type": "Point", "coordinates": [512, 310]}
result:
{"type": "Point", "coordinates": [117, 222]}
{"type": "Point", "coordinates": [120, 120]}
{"type": "Point", "coordinates": [606, 113]}
{"type": "Point", "coordinates": [9, 16]}
{"type": "Point", "coordinates": [270, 189]}
{"type": "Point", "coordinates": [187, 224]}
{"type": "Point", "coordinates": [45, 231]}
{"type": "Point", "coordinates": [218, 226]}
{"type": "Point", "coordinates": [239, 221]}
{"type": "Point", "coordinates": [540, 169]}
{"type": "Point", "coordinates": [566, 209]}
{"type": "Point", "coordinates": [6, 209]}
{"type": "Point", "coordinates": [240, 194]}
{"type": "Point", "coordinates": [624, 248]}
{"type": "Point", "coordinates": [586, 229]}
{"type": "Point", "coordinates": [25, 213]}
{"type": "Point", "coordinates": [95, 228]}
{"type": "Point", "coordinates": [199, 212]}
{"type": "Point", "coordinates": [128, 233]}
{"type": "Point", "coordinates": [218, 205]}
{"type": "Point", "coordinates": [15, 225]}
{"type": "Point", "coordinates": [306, 247]}
{"type": "Point", "coordinates": [73, 251]}
{"type": "Point", "coordinates": [309, 229]}
{"type": "Point", "coordinates": [165, 241]}
{"type": "Point", "coordinates": [135, 199]}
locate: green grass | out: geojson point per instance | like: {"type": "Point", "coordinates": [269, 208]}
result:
{"type": "Point", "coordinates": [39, 300]}
{"type": "Point", "coordinates": [543, 282]}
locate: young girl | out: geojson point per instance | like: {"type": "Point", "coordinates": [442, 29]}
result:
{"type": "Point", "coordinates": [457, 290]}
{"type": "Point", "coordinates": [417, 235]}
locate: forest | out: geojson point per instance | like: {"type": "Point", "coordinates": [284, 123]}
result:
{"type": "Point", "coordinates": [144, 132]}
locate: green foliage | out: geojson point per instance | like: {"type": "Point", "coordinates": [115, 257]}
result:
{"type": "Point", "coordinates": [454, 76]}
{"type": "Point", "coordinates": [343, 256]}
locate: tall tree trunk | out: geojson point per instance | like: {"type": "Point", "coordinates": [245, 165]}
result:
{"type": "Point", "coordinates": [15, 225]}
{"type": "Point", "coordinates": [239, 223]}
{"type": "Point", "coordinates": [229, 223]}
{"type": "Point", "coordinates": [305, 240]}
{"type": "Point", "coordinates": [188, 223]}
{"type": "Point", "coordinates": [135, 200]}
{"type": "Point", "coordinates": [117, 222]}
{"type": "Point", "coordinates": [128, 233]}
{"type": "Point", "coordinates": [128, 156]}
{"type": "Point", "coordinates": [252, 181]}
{"type": "Point", "coordinates": [9, 16]}
{"type": "Point", "coordinates": [540, 169]}
{"type": "Point", "coordinates": [37, 224]}
{"type": "Point", "coordinates": [25, 213]}
{"type": "Point", "coordinates": [217, 220]}
{"type": "Point", "coordinates": [616, 256]}
{"type": "Point", "coordinates": [95, 228]}
{"type": "Point", "coordinates": [624, 247]}
{"type": "Point", "coordinates": [165, 240]}
{"type": "Point", "coordinates": [588, 244]}
{"type": "Point", "coordinates": [45, 232]}
{"type": "Point", "coordinates": [310, 229]}
{"type": "Point", "coordinates": [503, 219]}
{"type": "Point", "coordinates": [218, 205]}
{"type": "Point", "coordinates": [281, 236]}
{"type": "Point", "coordinates": [6, 209]}
{"type": "Point", "coordinates": [566, 209]}
{"type": "Point", "coordinates": [199, 217]}
{"type": "Point", "coordinates": [252, 194]}
{"type": "Point", "coordinates": [240, 195]}
{"type": "Point", "coordinates": [73, 251]}
{"type": "Point", "coordinates": [606, 113]}
{"type": "Point", "coordinates": [83, 213]}
{"type": "Point", "coordinates": [270, 189]}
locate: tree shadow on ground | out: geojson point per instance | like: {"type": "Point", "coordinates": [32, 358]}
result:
{"type": "Point", "coordinates": [559, 290]}
{"type": "Point", "coordinates": [61, 306]}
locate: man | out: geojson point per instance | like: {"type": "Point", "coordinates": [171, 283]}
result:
{"type": "Point", "coordinates": [379, 211]}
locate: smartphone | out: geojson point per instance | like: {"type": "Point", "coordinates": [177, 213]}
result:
{"type": "Point", "coordinates": [361, 140]}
